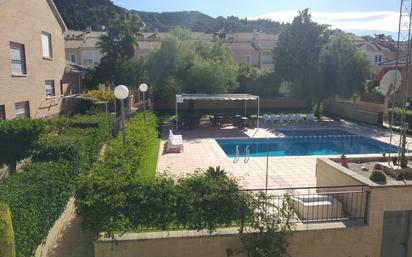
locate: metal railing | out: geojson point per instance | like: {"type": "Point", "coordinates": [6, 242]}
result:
{"type": "Point", "coordinates": [321, 204]}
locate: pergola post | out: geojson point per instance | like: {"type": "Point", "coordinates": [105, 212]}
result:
{"type": "Point", "coordinates": [258, 112]}
{"type": "Point", "coordinates": [177, 117]}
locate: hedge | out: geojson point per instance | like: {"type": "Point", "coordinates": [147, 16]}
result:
{"type": "Point", "coordinates": [206, 200]}
{"type": "Point", "coordinates": [7, 247]}
{"type": "Point", "coordinates": [17, 138]}
{"type": "Point", "coordinates": [397, 114]}
{"type": "Point", "coordinates": [38, 195]}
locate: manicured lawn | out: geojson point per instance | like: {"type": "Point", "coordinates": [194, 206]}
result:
{"type": "Point", "coordinates": [149, 163]}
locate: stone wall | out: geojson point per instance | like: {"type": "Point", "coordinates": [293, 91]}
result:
{"type": "Point", "coordinates": [56, 232]}
{"type": "Point", "coordinates": [351, 111]}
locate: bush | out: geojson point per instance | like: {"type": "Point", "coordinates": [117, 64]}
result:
{"type": "Point", "coordinates": [204, 201]}
{"type": "Point", "coordinates": [7, 247]}
{"type": "Point", "coordinates": [397, 114]}
{"type": "Point", "coordinates": [378, 176]}
{"type": "Point", "coordinates": [215, 200]}
{"type": "Point", "coordinates": [17, 138]}
{"type": "Point", "coordinates": [140, 134]}
{"type": "Point", "coordinates": [38, 195]}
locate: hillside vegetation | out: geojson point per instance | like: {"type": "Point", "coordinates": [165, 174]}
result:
{"type": "Point", "coordinates": [78, 14]}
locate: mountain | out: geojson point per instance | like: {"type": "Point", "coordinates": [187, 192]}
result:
{"type": "Point", "coordinates": [79, 14]}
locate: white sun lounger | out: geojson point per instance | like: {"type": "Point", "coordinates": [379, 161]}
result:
{"type": "Point", "coordinates": [273, 118]}
{"type": "Point", "coordinates": [282, 117]}
{"type": "Point", "coordinates": [298, 117]}
{"type": "Point", "coordinates": [309, 117]}
{"type": "Point", "coordinates": [173, 136]}
{"type": "Point", "coordinates": [174, 142]}
{"type": "Point", "coordinates": [266, 118]}
{"type": "Point", "coordinates": [290, 117]}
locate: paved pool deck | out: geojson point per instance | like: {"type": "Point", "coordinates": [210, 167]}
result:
{"type": "Point", "coordinates": [201, 151]}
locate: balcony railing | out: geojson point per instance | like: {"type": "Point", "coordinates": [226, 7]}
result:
{"type": "Point", "coordinates": [321, 204]}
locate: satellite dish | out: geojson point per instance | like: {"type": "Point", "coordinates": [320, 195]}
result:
{"type": "Point", "coordinates": [391, 82]}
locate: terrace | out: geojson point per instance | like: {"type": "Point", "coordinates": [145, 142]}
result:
{"type": "Point", "coordinates": [201, 151]}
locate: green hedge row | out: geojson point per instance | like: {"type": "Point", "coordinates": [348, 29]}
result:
{"type": "Point", "coordinates": [38, 195]}
{"type": "Point", "coordinates": [397, 114]}
{"type": "Point", "coordinates": [7, 247]}
{"type": "Point", "coordinates": [140, 134]}
{"type": "Point", "coordinates": [206, 200]}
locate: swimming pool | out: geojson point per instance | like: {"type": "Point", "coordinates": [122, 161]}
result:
{"type": "Point", "coordinates": [323, 143]}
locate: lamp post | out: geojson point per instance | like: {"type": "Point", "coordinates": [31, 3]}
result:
{"type": "Point", "coordinates": [122, 92]}
{"type": "Point", "coordinates": [143, 88]}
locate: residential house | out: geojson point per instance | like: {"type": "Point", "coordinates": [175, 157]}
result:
{"type": "Point", "coordinates": [32, 62]}
{"type": "Point", "coordinates": [81, 47]}
{"type": "Point", "coordinates": [248, 48]}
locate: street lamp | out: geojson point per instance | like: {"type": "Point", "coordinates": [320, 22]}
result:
{"type": "Point", "coordinates": [143, 88]}
{"type": "Point", "coordinates": [122, 92]}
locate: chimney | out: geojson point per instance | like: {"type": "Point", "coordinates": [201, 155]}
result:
{"type": "Point", "coordinates": [156, 31]}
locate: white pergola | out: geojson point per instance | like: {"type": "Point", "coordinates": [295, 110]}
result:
{"type": "Point", "coordinates": [218, 97]}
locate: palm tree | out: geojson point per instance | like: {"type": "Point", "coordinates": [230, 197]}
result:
{"type": "Point", "coordinates": [121, 38]}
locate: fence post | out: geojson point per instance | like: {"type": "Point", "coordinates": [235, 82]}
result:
{"type": "Point", "coordinates": [365, 215]}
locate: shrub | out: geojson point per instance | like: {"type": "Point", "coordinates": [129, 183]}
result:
{"type": "Point", "coordinates": [17, 138]}
{"type": "Point", "coordinates": [7, 247]}
{"type": "Point", "coordinates": [378, 176]}
{"type": "Point", "coordinates": [112, 201]}
{"type": "Point", "coordinates": [38, 195]}
{"type": "Point", "coordinates": [140, 134]}
{"type": "Point", "coordinates": [215, 200]}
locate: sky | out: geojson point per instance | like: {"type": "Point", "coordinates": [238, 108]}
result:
{"type": "Point", "coordinates": [357, 16]}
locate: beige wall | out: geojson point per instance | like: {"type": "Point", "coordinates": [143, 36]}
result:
{"type": "Point", "coordinates": [22, 21]}
{"type": "Point", "coordinates": [351, 111]}
{"type": "Point", "coordinates": [55, 233]}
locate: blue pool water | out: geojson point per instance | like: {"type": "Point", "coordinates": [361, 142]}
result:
{"type": "Point", "coordinates": [333, 142]}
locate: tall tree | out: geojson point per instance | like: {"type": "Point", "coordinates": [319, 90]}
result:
{"type": "Point", "coordinates": [343, 70]}
{"type": "Point", "coordinates": [296, 54]}
{"type": "Point", "coordinates": [119, 46]}
{"type": "Point", "coordinates": [181, 63]}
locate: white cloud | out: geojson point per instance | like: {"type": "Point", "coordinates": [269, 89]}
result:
{"type": "Point", "coordinates": [383, 20]}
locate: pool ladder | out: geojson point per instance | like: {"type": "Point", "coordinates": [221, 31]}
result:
{"type": "Point", "coordinates": [247, 154]}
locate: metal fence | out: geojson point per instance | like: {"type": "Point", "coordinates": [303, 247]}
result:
{"type": "Point", "coordinates": [321, 204]}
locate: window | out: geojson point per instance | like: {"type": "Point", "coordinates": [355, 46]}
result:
{"type": "Point", "coordinates": [2, 112]}
{"type": "Point", "coordinates": [17, 57]}
{"type": "Point", "coordinates": [247, 59]}
{"type": "Point", "coordinates": [46, 44]}
{"type": "Point", "coordinates": [378, 58]}
{"type": "Point", "coordinates": [22, 110]}
{"type": "Point", "coordinates": [50, 91]}
{"type": "Point", "coordinates": [73, 58]}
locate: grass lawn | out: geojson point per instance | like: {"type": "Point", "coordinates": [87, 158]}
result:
{"type": "Point", "coordinates": [149, 163]}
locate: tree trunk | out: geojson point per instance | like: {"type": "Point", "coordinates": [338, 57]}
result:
{"type": "Point", "coordinates": [12, 166]}
{"type": "Point", "coordinates": [317, 111]}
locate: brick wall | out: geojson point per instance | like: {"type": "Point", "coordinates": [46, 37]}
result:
{"type": "Point", "coordinates": [23, 21]}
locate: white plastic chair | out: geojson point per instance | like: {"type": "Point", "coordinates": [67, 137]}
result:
{"type": "Point", "coordinates": [290, 117]}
